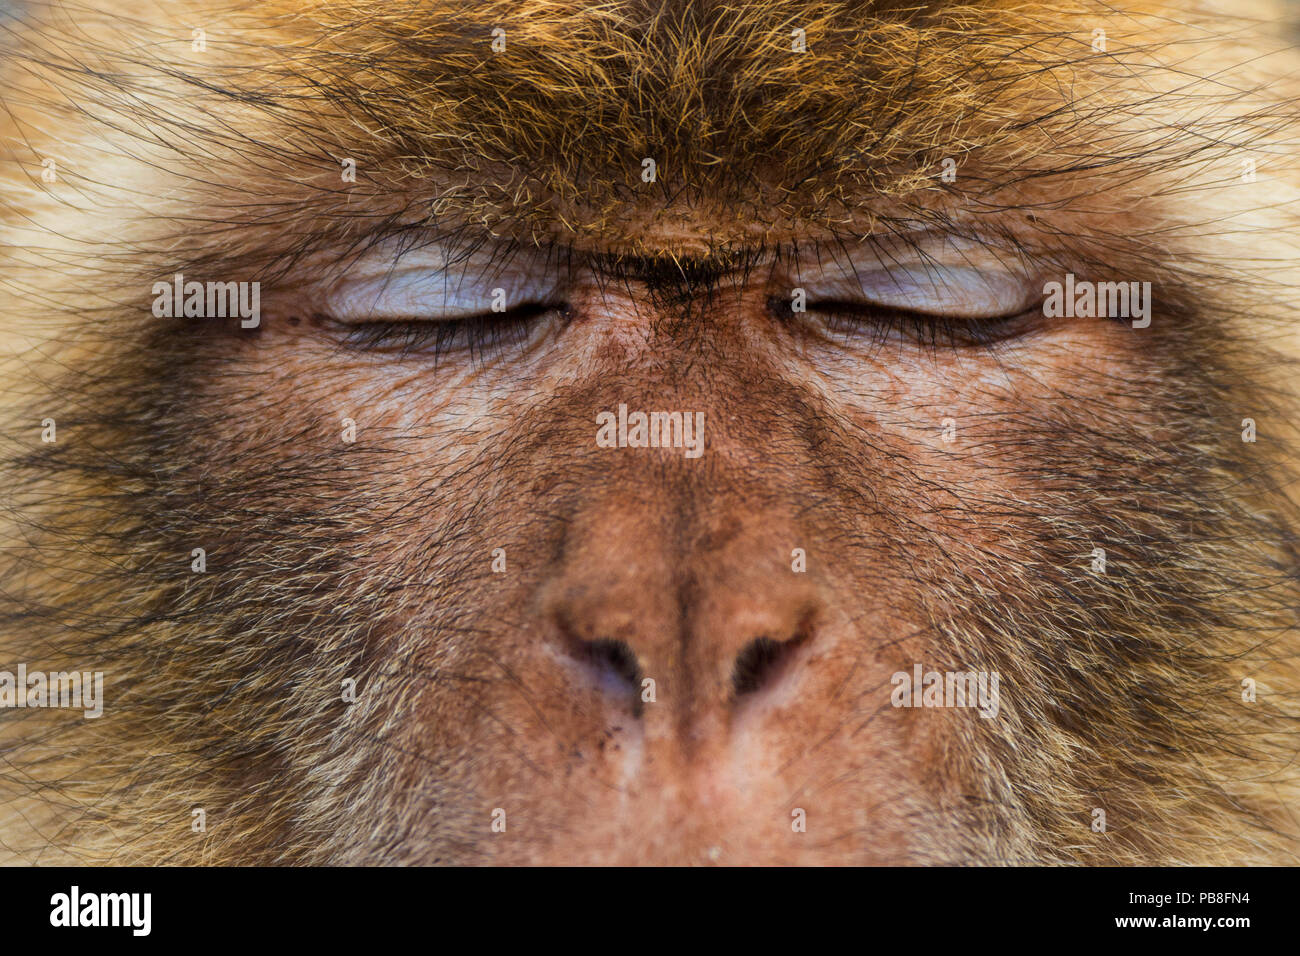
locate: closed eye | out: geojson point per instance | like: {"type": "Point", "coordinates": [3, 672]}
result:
{"type": "Point", "coordinates": [924, 301]}
{"type": "Point", "coordinates": [434, 302]}
{"type": "Point", "coordinates": [874, 324]}
{"type": "Point", "coordinates": [480, 336]}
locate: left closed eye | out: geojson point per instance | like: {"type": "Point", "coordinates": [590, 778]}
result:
{"type": "Point", "coordinates": [451, 293]}
{"type": "Point", "coordinates": [481, 336]}
{"type": "Point", "coordinates": [439, 305]}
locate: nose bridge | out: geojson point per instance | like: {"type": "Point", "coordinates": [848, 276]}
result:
{"type": "Point", "coordinates": [676, 280]}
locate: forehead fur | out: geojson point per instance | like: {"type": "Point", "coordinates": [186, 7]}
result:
{"type": "Point", "coordinates": [758, 115]}
{"type": "Point", "coordinates": [766, 118]}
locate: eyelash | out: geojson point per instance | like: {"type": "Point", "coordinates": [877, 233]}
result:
{"type": "Point", "coordinates": [854, 320]}
{"type": "Point", "coordinates": [488, 335]}
{"type": "Point", "coordinates": [482, 336]}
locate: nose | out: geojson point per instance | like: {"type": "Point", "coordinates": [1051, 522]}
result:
{"type": "Point", "coordinates": [687, 625]}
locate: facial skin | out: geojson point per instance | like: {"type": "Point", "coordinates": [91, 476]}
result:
{"type": "Point", "coordinates": [395, 485]}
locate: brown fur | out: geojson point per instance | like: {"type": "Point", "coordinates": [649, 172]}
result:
{"type": "Point", "coordinates": [371, 560]}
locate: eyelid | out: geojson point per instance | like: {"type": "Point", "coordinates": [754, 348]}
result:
{"type": "Point", "coordinates": [964, 292]}
{"type": "Point", "coordinates": [435, 290]}
{"type": "Point", "coordinates": [925, 272]}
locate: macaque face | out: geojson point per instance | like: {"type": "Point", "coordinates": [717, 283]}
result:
{"type": "Point", "coordinates": [654, 438]}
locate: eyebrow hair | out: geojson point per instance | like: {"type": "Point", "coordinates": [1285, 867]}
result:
{"type": "Point", "coordinates": [713, 93]}
{"type": "Point", "coordinates": [547, 138]}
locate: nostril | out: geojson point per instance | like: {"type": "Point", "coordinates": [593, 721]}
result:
{"type": "Point", "coordinates": [759, 663]}
{"type": "Point", "coordinates": [614, 662]}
